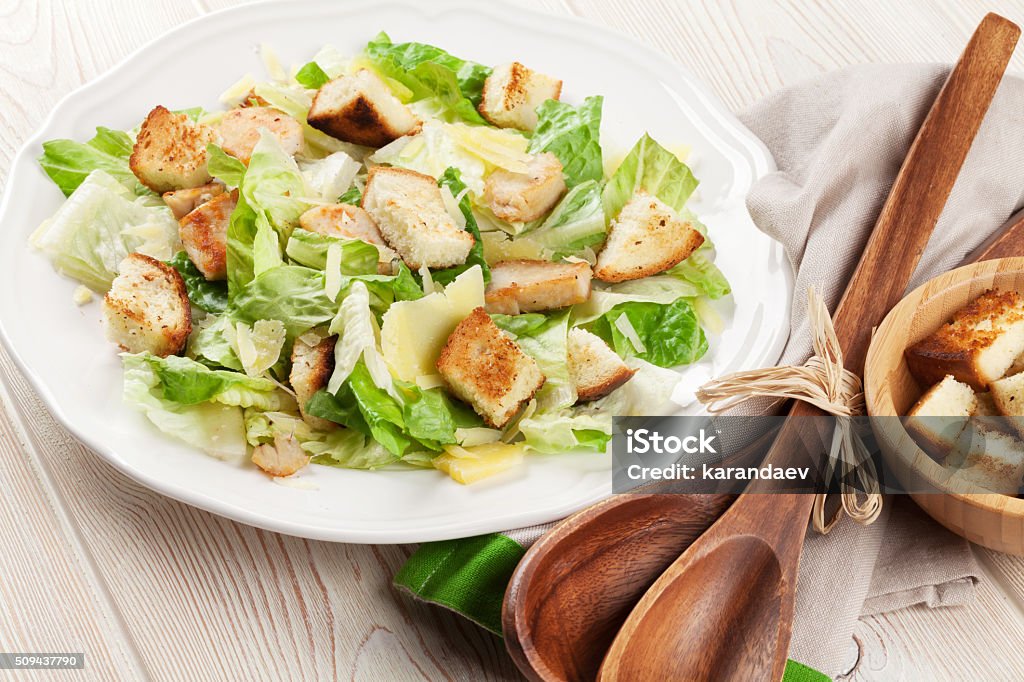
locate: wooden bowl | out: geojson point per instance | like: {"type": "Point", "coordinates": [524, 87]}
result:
{"type": "Point", "coordinates": [988, 519]}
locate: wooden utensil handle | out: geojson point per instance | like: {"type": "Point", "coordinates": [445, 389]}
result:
{"type": "Point", "coordinates": [1005, 242]}
{"type": "Point", "coordinates": [922, 187]}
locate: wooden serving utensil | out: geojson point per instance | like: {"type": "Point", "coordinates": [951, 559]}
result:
{"type": "Point", "coordinates": [573, 589]}
{"type": "Point", "coordinates": [724, 609]}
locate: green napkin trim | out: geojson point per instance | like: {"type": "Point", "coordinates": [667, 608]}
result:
{"type": "Point", "coordinates": [469, 576]}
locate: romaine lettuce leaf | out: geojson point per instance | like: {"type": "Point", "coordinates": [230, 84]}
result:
{"type": "Point", "coordinates": [402, 420]}
{"type": "Point", "coordinates": [702, 273]}
{"type": "Point", "coordinates": [187, 382]}
{"type": "Point", "coordinates": [310, 249]}
{"type": "Point", "coordinates": [357, 340]}
{"type": "Point", "coordinates": [670, 334]}
{"type": "Point", "coordinates": [573, 134]}
{"type": "Point", "coordinates": [353, 196]}
{"type": "Point", "coordinates": [452, 179]}
{"type": "Point", "coordinates": [544, 338]}
{"type": "Point", "coordinates": [224, 167]}
{"type": "Point", "coordinates": [431, 73]}
{"type": "Point", "coordinates": [575, 224]}
{"type": "Point", "coordinates": [567, 430]}
{"type": "Point", "coordinates": [653, 169]}
{"type": "Point", "coordinates": [213, 427]}
{"type": "Point", "coordinates": [290, 293]}
{"type": "Point", "coordinates": [69, 163]}
{"type": "Point", "coordinates": [268, 209]}
{"type": "Point", "coordinates": [349, 449]}
{"type": "Point", "coordinates": [98, 226]}
{"type": "Point", "coordinates": [209, 296]}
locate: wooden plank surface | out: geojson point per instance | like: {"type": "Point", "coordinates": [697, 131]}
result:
{"type": "Point", "coordinates": [151, 588]}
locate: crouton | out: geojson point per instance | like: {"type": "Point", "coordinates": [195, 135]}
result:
{"type": "Point", "coordinates": [170, 151]}
{"type": "Point", "coordinates": [646, 238]}
{"type": "Point", "coordinates": [596, 370]}
{"type": "Point", "coordinates": [184, 201]}
{"type": "Point", "coordinates": [977, 347]}
{"type": "Point", "coordinates": [413, 219]}
{"type": "Point", "coordinates": [939, 417]}
{"type": "Point", "coordinates": [312, 366]}
{"type": "Point", "coordinates": [527, 286]}
{"type": "Point", "coordinates": [240, 131]}
{"type": "Point", "coordinates": [522, 197]}
{"type": "Point", "coordinates": [360, 109]}
{"type": "Point", "coordinates": [488, 370]}
{"type": "Point", "coordinates": [1008, 398]}
{"type": "Point", "coordinates": [991, 459]}
{"type": "Point", "coordinates": [512, 94]}
{"type": "Point", "coordinates": [350, 222]}
{"type": "Point", "coordinates": [283, 458]}
{"type": "Point", "coordinates": [204, 233]}
{"type": "Point", "coordinates": [147, 307]}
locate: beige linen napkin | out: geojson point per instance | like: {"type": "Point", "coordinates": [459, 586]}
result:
{"type": "Point", "coordinates": [838, 142]}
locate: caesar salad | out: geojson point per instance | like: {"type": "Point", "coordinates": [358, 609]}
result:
{"type": "Point", "coordinates": [395, 257]}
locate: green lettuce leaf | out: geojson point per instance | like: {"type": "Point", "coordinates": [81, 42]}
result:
{"type": "Point", "coordinates": [312, 76]}
{"type": "Point", "coordinates": [69, 163]}
{"type": "Point", "coordinates": [576, 223]}
{"type": "Point", "coordinates": [98, 226]}
{"type": "Point", "coordinates": [703, 274]}
{"type": "Point", "coordinates": [224, 167]}
{"type": "Point", "coordinates": [669, 333]}
{"type": "Point", "coordinates": [292, 294]}
{"type": "Point", "coordinates": [187, 382]}
{"type": "Point", "coordinates": [567, 430]}
{"type": "Point", "coordinates": [544, 338]}
{"type": "Point", "coordinates": [453, 181]}
{"type": "Point", "coordinates": [429, 72]}
{"type": "Point", "coordinates": [216, 428]}
{"type": "Point", "coordinates": [573, 134]}
{"type": "Point", "coordinates": [310, 249]}
{"type": "Point", "coordinates": [352, 196]}
{"type": "Point", "coordinates": [269, 198]}
{"type": "Point", "coordinates": [653, 169]}
{"type": "Point", "coordinates": [349, 449]}
{"type": "Point", "coordinates": [209, 296]}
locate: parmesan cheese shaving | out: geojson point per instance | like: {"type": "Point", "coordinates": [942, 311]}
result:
{"type": "Point", "coordinates": [623, 324]}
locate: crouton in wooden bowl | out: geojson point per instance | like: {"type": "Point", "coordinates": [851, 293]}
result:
{"type": "Point", "coordinates": [948, 361]}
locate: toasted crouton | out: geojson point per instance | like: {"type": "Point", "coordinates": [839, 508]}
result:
{"type": "Point", "coordinates": [170, 151]}
{"type": "Point", "coordinates": [147, 307]}
{"type": "Point", "coordinates": [184, 201]}
{"type": "Point", "coordinates": [204, 233]}
{"type": "Point", "coordinates": [646, 238]}
{"type": "Point", "coordinates": [1008, 397]}
{"type": "Point", "coordinates": [312, 366]}
{"type": "Point", "coordinates": [240, 131]}
{"type": "Point", "coordinates": [939, 417]}
{"type": "Point", "coordinates": [977, 346]}
{"type": "Point", "coordinates": [359, 108]}
{"type": "Point", "coordinates": [991, 459]}
{"type": "Point", "coordinates": [284, 458]}
{"type": "Point", "coordinates": [527, 286]}
{"type": "Point", "coordinates": [596, 370]}
{"type": "Point", "coordinates": [488, 370]}
{"type": "Point", "coordinates": [350, 222]}
{"type": "Point", "coordinates": [522, 197]}
{"type": "Point", "coordinates": [412, 217]}
{"type": "Point", "coordinates": [512, 94]}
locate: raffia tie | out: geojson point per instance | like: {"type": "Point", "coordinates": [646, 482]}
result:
{"type": "Point", "coordinates": [824, 382]}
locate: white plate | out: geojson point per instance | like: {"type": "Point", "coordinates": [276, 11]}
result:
{"type": "Point", "coordinates": [61, 348]}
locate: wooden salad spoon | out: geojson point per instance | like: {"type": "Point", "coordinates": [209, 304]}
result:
{"type": "Point", "coordinates": [572, 590]}
{"type": "Point", "coordinates": [724, 609]}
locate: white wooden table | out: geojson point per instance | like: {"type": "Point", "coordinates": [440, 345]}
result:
{"type": "Point", "coordinates": [151, 588]}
